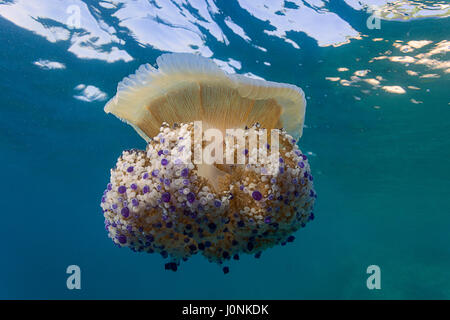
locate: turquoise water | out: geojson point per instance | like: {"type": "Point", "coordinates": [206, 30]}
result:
{"type": "Point", "coordinates": [380, 159]}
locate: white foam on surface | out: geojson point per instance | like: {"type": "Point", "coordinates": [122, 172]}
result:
{"type": "Point", "coordinates": [49, 65]}
{"type": "Point", "coordinates": [89, 93]}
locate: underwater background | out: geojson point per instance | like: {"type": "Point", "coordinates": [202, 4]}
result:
{"type": "Point", "coordinates": [377, 135]}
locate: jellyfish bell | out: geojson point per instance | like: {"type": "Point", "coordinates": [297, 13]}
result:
{"type": "Point", "coordinates": [160, 201]}
{"type": "Point", "coordinates": [186, 88]}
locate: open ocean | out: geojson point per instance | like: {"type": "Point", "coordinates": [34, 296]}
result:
{"type": "Point", "coordinates": [377, 135]}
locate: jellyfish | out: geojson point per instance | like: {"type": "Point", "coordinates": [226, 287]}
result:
{"type": "Point", "coordinates": [159, 200]}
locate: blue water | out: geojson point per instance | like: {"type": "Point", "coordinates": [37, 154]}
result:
{"type": "Point", "coordinates": [380, 159]}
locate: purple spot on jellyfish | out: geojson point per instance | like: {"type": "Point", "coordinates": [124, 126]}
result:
{"type": "Point", "coordinates": [165, 197]}
{"type": "Point", "coordinates": [122, 239]}
{"type": "Point", "coordinates": [185, 172]}
{"type": "Point", "coordinates": [190, 197]}
{"type": "Point", "coordinates": [125, 212]}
